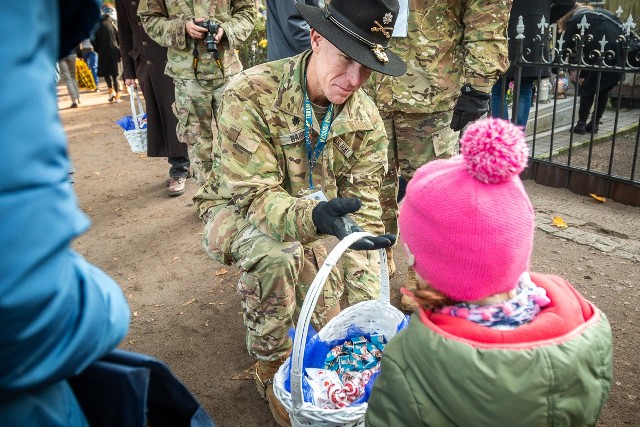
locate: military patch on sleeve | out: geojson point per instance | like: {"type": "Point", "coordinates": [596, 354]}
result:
{"type": "Point", "coordinates": [292, 138]}
{"type": "Point", "coordinates": [233, 134]}
{"type": "Point", "coordinates": [343, 147]}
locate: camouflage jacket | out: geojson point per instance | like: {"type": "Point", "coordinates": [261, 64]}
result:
{"type": "Point", "coordinates": [260, 163]}
{"type": "Point", "coordinates": [447, 45]}
{"type": "Point", "coordinates": [164, 21]}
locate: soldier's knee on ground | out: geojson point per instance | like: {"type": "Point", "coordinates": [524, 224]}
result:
{"type": "Point", "coordinates": [267, 286]}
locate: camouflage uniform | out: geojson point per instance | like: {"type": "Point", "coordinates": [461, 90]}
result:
{"type": "Point", "coordinates": [197, 99]}
{"type": "Point", "coordinates": [251, 206]}
{"type": "Point", "coordinates": [448, 44]}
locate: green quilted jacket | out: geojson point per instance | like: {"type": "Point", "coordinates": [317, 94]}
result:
{"type": "Point", "coordinates": [445, 371]}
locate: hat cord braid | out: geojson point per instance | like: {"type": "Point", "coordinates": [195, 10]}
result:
{"type": "Point", "coordinates": [377, 48]}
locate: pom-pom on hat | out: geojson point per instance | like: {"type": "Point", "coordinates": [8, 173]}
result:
{"type": "Point", "coordinates": [466, 222]}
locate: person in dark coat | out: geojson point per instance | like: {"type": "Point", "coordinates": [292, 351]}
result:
{"type": "Point", "coordinates": [144, 59]}
{"type": "Point", "coordinates": [602, 23]}
{"type": "Point", "coordinates": [105, 43]}
{"type": "Point", "coordinates": [287, 32]}
{"type": "Point", "coordinates": [532, 13]}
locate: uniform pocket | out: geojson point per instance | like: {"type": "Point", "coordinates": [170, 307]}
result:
{"type": "Point", "coordinates": [220, 232]}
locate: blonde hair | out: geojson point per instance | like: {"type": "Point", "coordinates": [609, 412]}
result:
{"type": "Point", "coordinates": [430, 298]}
{"type": "Point", "coordinates": [562, 22]}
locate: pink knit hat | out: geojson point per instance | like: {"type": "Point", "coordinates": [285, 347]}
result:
{"type": "Point", "coordinates": [467, 222]}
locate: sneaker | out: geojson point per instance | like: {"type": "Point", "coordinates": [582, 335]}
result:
{"type": "Point", "coordinates": [74, 105]}
{"type": "Point", "coordinates": [264, 373]}
{"type": "Point", "coordinates": [580, 128]}
{"type": "Point", "coordinates": [176, 186]}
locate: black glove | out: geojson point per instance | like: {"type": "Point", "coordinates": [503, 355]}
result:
{"type": "Point", "coordinates": [331, 218]}
{"type": "Point", "coordinates": [471, 105]}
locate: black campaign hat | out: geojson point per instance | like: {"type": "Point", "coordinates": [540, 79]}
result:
{"type": "Point", "coordinates": [360, 29]}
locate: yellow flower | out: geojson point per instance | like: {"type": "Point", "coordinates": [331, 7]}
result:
{"type": "Point", "coordinates": [263, 43]}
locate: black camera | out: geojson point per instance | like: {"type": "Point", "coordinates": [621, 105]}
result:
{"type": "Point", "coordinates": [209, 39]}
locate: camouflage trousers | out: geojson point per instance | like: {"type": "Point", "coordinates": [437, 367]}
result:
{"type": "Point", "coordinates": [195, 107]}
{"type": "Point", "coordinates": [275, 277]}
{"type": "Point", "coordinates": [414, 139]}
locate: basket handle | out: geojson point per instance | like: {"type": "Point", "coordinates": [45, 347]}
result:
{"type": "Point", "coordinates": [310, 300]}
{"type": "Point", "coordinates": [134, 115]}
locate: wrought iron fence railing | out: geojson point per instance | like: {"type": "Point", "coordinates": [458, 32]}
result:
{"type": "Point", "coordinates": [604, 159]}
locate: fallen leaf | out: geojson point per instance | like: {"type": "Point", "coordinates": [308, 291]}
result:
{"type": "Point", "coordinates": [189, 302]}
{"type": "Point", "coordinates": [598, 198]}
{"type": "Point", "coordinates": [559, 222]}
{"type": "Point", "coordinates": [175, 258]}
{"type": "Point", "coordinates": [247, 374]}
{"type": "Point", "coordinates": [221, 272]}
{"type": "Point", "coordinates": [159, 305]}
{"type": "Point", "coordinates": [206, 323]}
{"type": "Point", "coordinates": [132, 341]}
{"type": "Point", "coordinates": [135, 314]}
{"type": "Point", "coordinates": [179, 313]}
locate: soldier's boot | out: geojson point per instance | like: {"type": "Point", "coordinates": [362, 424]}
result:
{"type": "Point", "coordinates": [116, 97]}
{"type": "Point", "coordinates": [264, 373]}
{"type": "Point", "coordinates": [406, 302]}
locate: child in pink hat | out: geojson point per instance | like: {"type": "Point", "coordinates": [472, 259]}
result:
{"type": "Point", "coordinates": [492, 343]}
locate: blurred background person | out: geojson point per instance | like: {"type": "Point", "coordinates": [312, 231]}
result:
{"type": "Point", "coordinates": [67, 66]}
{"type": "Point", "coordinates": [287, 31]}
{"type": "Point", "coordinates": [200, 70]}
{"type": "Point", "coordinates": [106, 45]}
{"type": "Point", "coordinates": [602, 25]}
{"type": "Point", "coordinates": [91, 58]}
{"type": "Point", "coordinates": [531, 12]}
{"type": "Point", "coordinates": [144, 59]}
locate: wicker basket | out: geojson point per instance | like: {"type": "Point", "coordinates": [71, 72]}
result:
{"type": "Point", "coordinates": [375, 316]}
{"type": "Point", "coordinates": [137, 138]}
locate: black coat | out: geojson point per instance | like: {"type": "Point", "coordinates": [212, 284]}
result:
{"type": "Point", "coordinates": [144, 59]}
{"type": "Point", "coordinates": [105, 43]}
{"type": "Point", "coordinates": [601, 23]}
{"type": "Point", "coordinates": [532, 12]}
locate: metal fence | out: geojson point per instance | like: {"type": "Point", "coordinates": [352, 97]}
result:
{"type": "Point", "coordinates": [604, 161]}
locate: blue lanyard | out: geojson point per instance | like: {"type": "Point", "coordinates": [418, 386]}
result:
{"type": "Point", "coordinates": [314, 153]}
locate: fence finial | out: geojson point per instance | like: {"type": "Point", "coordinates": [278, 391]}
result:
{"type": "Point", "coordinates": [583, 25]}
{"type": "Point", "coordinates": [520, 28]}
{"type": "Point", "coordinates": [619, 11]}
{"type": "Point", "coordinates": [603, 42]}
{"type": "Point", "coordinates": [628, 26]}
{"type": "Point", "coordinates": [543, 26]}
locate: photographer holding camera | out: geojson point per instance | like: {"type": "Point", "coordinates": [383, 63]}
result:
{"type": "Point", "coordinates": [201, 37]}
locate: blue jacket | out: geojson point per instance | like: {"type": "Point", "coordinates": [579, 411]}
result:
{"type": "Point", "coordinates": [58, 312]}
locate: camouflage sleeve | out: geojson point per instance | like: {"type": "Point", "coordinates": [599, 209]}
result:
{"type": "Point", "coordinates": [364, 180]}
{"type": "Point", "coordinates": [485, 42]}
{"type": "Point", "coordinates": [163, 30]}
{"type": "Point", "coordinates": [362, 268]}
{"type": "Point", "coordinates": [250, 168]}
{"type": "Point", "coordinates": [239, 27]}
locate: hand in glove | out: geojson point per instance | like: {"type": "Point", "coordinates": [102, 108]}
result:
{"type": "Point", "coordinates": [471, 105]}
{"type": "Point", "coordinates": [331, 218]}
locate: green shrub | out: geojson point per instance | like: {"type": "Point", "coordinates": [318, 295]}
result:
{"type": "Point", "coordinates": [254, 50]}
